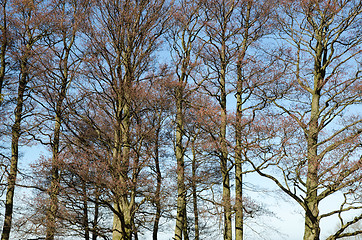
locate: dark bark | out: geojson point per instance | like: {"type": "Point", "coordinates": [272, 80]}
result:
{"type": "Point", "coordinates": [158, 185]}
{"type": "Point", "coordinates": [95, 216]}
{"type": "Point", "coordinates": [194, 191]}
{"type": "Point", "coordinates": [59, 115]}
{"type": "Point", "coordinates": [4, 45]}
{"type": "Point", "coordinates": [85, 212]}
{"type": "Point", "coordinates": [16, 132]}
{"type": "Point", "coordinates": [223, 143]}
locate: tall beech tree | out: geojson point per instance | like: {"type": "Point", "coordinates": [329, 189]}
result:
{"type": "Point", "coordinates": [93, 138]}
{"type": "Point", "coordinates": [124, 37]}
{"type": "Point", "coordinates": [27, 20]}
{"type": "Point", "coordinates": [254, 20]}
{"type": "Point", "coordinates": [182, 37]}
{"type": "Point", "coordinates": [319, 153]}
{"type": "Point", "coordinates": [58, 67]}
{"type": "Point", "coordinates": [219, 51]}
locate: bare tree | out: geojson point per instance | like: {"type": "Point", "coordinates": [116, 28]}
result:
{"type": "Point", "coordinates": [27, 19]}
{"type": "Point", "coordinates": [183, 38]}
{"type": "Point", "coordinates": [219, 52]}
{"type": "Point", "coordinates": [254, 23]}
{"type": "Point", "coordinates": [58, 67]}
{"type": "Point", "coordinates": [124, 36]}
{"type": "Point", "coordinates": [317, 145]}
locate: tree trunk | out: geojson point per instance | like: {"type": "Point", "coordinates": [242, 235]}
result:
{"type": "Point", "coordinates": [158, 186]}
{"type": "Point", "coordinates": [53, 208]}
{"type": "Point", "coordinates": [181, 192]}
{"type": "Point", "coordinates": [55, 178]}
{"type": "Point", "coordinates": [16, 132]}
{"type": "Point", "coordinates": [185, 225]}
{"type": "Point", "coordinates": [4, 44]}
{"type": "Point", "coordinates": [52, 212]}
{"type": "Point", "coordinates": [239, 215]}
{"type": "Point", "coordinates": [223, 147]}
{"type": "Point", "coordinates": [312, 229]}
{"type": "Point", "coordinates": [122, 226]}
{"type": "Point", "coordinates": [95, 219]}
{"type": "Point", "coordinates": [194, 192]}
{"type": "Point", "coordinates": [85, 211]}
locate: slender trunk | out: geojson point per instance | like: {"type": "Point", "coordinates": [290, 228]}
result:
{"type": "Point", "coordinates": [239, 214]}
{"type": "Point", "coordinates": [52, 212]}
{"type": "Point", "coordinates": [16, 132]}
{"type": "Point", "coordinates": [4, 44]}
{"type": "Point", "coordinates": [158, 186]}
{"type": "Point", "coordinates": [185, 225]}
{"type": "Point", "coordinates": [226, 180]}
{"type": "Point", "coordinates": [239, 218]}
{"type": "Point", "coordinates": [224, 151]}
{"type": "Point", "coordinates": [55, 177]}
{"type": "Point", "coordinates": [194, 192]}
{"type": "Point", "coordinates": [85, 212]}
{"type": "Point", "coordinates": [95, 219]}
{"type": "Point", "coordinates": [136, 170]}
{"type": "Point", "coordinates": [181, 192]}
{"type": "Point", "coordinates": [117, 221]}
{"type": "Point", "coordinates": [53, 208]}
